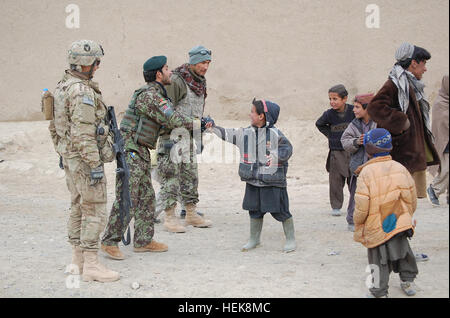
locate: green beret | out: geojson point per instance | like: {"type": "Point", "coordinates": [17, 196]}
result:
{"type": "Point", "coordinates": [155, 63]}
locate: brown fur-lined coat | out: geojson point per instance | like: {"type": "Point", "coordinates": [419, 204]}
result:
{"type": "Point", "coordinates": [407, 130]}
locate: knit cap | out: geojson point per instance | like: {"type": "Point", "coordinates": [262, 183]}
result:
{"type": "Point", "coordinates": [364, 99]}
{"type": "Point", "coordinates": [199, 54]}
{"type": "Point", "coordinates": [378, 142]}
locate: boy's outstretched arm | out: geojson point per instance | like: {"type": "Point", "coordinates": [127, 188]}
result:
{"type": "Point", "coordinates": [230, 135]}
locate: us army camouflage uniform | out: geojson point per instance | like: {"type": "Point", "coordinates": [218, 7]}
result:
{"type": "Point", "coordinates": [79, 111]}
{"type": "Point", "coordinates": [154, 105]}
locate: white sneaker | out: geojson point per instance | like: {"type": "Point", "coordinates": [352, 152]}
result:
{"type": "Point", "coordinates": [336, 212]}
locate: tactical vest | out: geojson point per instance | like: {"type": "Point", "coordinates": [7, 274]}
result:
{"type": "Point", "coordinates": [192, 105]}
{"type": "Point", "coordinates": [146, 131]}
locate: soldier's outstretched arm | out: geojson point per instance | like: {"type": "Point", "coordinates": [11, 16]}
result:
{"type": "Point", "coordinates": [160, 110]}
{"type": "Point", "coordinates": [83, 128]}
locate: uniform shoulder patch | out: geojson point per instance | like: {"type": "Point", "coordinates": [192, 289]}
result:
{"type": "Point", "coordinates": [88, 100]}
{"type": "Point", "coordinates": [165, 107]}
{"type": "Point", "coordinates": [162, 101]}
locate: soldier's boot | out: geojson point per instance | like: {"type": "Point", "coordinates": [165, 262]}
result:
{"type": "Point", "coordinates": [255, 234]}
{"type": "Point", "coordinates": [171, 222]}
{"type": "Point", "coordinates": [153, 246]}
{"type": "Point", "coordinates": [94, 270]}
{"type": "Point", "coordinates": [113, 252]}
{"type": "Point", "coordinates": [76, 266]}
{"type": "Point", "coordinates": [192, 218]}
{"type": "Point", "coordinates": [289, 232]}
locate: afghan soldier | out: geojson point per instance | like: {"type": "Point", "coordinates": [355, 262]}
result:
{"type": "Point", "coordinates": [79, 113]}
{"type": "Point", "coordinates": [149, 109]}
{"type": "Point", "coordinates": [179, 178]}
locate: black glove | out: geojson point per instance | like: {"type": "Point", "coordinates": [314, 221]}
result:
{"type": "Point", "coordinates": [61, 165]}
{"type": "Point", "coordinates": [97, 174]}
{"type": "Point", "coordinates": [206, 121]}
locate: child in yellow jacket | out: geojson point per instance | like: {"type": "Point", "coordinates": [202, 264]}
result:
{"type": "Point", "coordinates": [385, 202]}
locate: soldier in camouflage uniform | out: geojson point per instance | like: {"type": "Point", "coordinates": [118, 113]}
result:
{"type": "Point", "coordinates": [149, 109]}
{"type": "Point", "coordinates": [177, 164]}
{"type": "Point", "coordinates": [78, 114]}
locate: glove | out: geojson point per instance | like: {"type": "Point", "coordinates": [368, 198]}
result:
{"type": "Point", "coordinates": [206, 121]}
{"type": "Point", "coordinates": [61, 165]}
{"type": "Point", "coordinates": [97, 174]}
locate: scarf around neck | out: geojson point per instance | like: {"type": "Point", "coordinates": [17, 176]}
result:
{"type": "Point", "coordinates": [402, 79]}
{"type": "Point", "coordinates": [198, 87]}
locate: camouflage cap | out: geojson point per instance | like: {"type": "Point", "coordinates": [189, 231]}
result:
{"type": "Point", "coordinates": [84, 52]}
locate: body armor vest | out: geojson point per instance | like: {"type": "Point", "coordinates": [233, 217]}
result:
{"type": "Point", "coordinates": [146, 131]}
{"type": "Point", "coordinates": [192, 105]}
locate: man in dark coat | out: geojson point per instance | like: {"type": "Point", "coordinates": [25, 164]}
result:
{"type": "Point", "coordinates": [401, 107]}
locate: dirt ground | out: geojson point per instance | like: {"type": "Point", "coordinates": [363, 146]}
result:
{"type": "Point", "coordinates": [34, 208]}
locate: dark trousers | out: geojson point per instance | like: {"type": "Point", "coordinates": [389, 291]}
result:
{"type": "Point", "coordinates": [394, 255]}
{"type": "Point", "coordinates": [279, 216]}
{"type": "Point", "coordinates": [339, 175]}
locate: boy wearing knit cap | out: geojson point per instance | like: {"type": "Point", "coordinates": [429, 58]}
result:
{"type": "Point", "coordinates": [332, 124]}
{"type": "Point", "coordinates": [385, 202]}
{"type": "Point", "coordinates": [352, 141]}
{"type": "Point", "coordinates": [179, 180]}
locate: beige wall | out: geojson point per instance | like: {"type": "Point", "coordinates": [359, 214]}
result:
{"type": "Point", "coordinates": [288, 51]}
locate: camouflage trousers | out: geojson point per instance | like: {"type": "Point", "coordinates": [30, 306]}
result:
{"type": "Point", "coordinates": [88, 205]}
{"type": "Point", "coordinates": [178, 178]}
{"type": "Point", "coordinates": [143, 205]}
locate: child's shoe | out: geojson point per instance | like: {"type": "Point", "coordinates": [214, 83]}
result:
{"type": "Point", "coordinates": [351, 227]}
{"type": "Point", "coordinates": [409, 288]}
{"type": "Point", "coordinates": [336, 212]}
{"type": "Point", "coordinates": [432, 197]}
{"type": "Point", "coordinates": [420, 257]}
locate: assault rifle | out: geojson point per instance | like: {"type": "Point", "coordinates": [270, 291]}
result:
{"type": "Point", "coordinates": [122, 172]}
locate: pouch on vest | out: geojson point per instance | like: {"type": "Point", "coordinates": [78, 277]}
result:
{"type": "Point", "coordinates": [47, 105]}
{"type": "Point", "coordinates": [147, 133]}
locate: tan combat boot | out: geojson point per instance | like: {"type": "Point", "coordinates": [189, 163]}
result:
{"type": "Point", "coordinates": [76, 266]}
{"type": "Point", "coordinates": [171, 223]}
{"type": "Point", "coordinates": [113, 252]}
{"type": "Point", "coordinates": [153, 246]}
{"type": "Point", "coordinates": [93, 270]}
{"type": "Point", "coordinates": [192, 218]}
